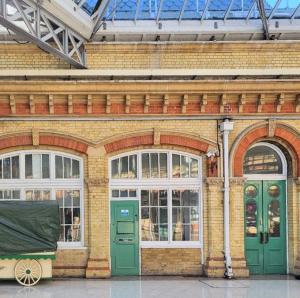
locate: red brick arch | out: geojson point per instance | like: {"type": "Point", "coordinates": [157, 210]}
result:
{"type": "Point", "coordinates": [283, 133]}
{"type": "Point", "coordinates": [44, 139]}
{"type": "Point", "coordinates": [165, 139]}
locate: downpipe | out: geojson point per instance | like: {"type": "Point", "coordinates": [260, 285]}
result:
{"type": "Point", "coordinates": [226, 127]}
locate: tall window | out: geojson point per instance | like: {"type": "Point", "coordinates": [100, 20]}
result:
{"type": "Point", "coordinates": [45, 175]}
{"type": "Point", "coordinates": [168, 187]}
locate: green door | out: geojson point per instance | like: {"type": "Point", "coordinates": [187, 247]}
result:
{"type": "Point", "coordinates": [265, 227]}
{"type": "Point", "coordinates": [124, 238]}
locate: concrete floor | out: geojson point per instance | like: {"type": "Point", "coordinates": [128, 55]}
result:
{"type": "Point", "coordinates": [154, 287]}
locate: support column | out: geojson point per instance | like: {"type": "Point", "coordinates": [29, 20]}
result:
{"type": "Point", "coordinates": [98, 215]}
{"type": "Point", "coordinates": [214, 265]}
{"type": "Point", "coordinates": [237, 230]}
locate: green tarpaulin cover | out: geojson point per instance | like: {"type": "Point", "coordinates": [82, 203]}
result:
{"type": "Point", "coordinates": [28, 227]}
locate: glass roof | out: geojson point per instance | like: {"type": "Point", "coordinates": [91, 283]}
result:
{"type": "Point", "coordinates": [89, 6]}
{"type": "Point", "coordinates": [199, 9]}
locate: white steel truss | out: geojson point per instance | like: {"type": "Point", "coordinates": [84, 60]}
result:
{"type": "Point", "coordinates": [29, 20]}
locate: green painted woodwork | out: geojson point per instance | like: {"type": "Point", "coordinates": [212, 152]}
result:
{"type": "Point", "coordinates": [31, 257]}
{"type": "Point", "coordinates": [124, 238]}
{"type": "Point", "coordinates": [265, 226]}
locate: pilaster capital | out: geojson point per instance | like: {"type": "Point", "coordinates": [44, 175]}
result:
{"type": "Point", "coordinates": [239, 181]}
{"type": "Point", "coordinates": [95, 182]}
{"type": "Point", "coordinates": [214, 182]}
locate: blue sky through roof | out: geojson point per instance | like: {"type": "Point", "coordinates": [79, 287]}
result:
{"type": "Point", "coordinates": [193, 9]}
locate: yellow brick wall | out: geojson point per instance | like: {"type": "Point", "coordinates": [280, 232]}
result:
{"type": "Point", "coordinates": [257, 54]}
{"type": "Point", "coordinates": [73, 262]}
{"type": "Point", "coordinates": [171, 261]}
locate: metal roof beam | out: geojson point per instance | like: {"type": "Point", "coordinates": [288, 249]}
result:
{"type": "Point", "coordinates": [297, 9]}
{"type": "Point", "coordinates": [30, 21]}
{"type": "Point", "coordinates": [100, 12]}
{"type": "Point", "coordinates": [262, 12]}
{"type": "Point", "coordinates": [159, 10]}
{"type": "Point", "coordinates": [205, 9]}
{"type": "Point", "coordinates": [250, 10]}
{"type": "Point", "coordinates": [228, 10]}
{"type": "Point", "coordinates": [182, 10]}
{"type": "Point", "coordinates": [274, 9]}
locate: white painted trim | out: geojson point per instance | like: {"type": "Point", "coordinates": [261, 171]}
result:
{"type": "Point", "coordinates": [142, 72]}
{"type": "Point", "coordinates": [161, 183]}
{"type": "Point", "coordinates": [51, 184]}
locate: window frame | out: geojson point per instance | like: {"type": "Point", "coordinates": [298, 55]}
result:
{"type": "Point", "coordinates": [281, 176]}
{"type": "Point", "coordinates": [23, 184]}
{"type": "Point", "coordinates": [168, 184]}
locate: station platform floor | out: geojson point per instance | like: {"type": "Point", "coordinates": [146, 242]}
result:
{"type": "Point", "coordinates": [156, 287]}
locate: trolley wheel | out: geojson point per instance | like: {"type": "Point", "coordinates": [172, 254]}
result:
{"type": "Point", "coordinates": [28, 272]}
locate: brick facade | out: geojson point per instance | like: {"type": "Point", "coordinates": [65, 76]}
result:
{"type": "Point", "coordinates": [98, 120]}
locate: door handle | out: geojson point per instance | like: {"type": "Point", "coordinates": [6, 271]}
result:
{"type": "Point", "coordinates": [261, 238]}
{"type": "Point", "coordinates": [266, 237]}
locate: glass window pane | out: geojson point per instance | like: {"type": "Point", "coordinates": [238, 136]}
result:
{"type": "Point", "coordinates": [145, 198]}
{"type": "Point", "coordinates": [36, 166]}
{"type": "Point", "coordinates": [124, 167]}
{"type": "Point", "coordinates": [115, 169]}
{"type": "Point", "coordinates": [16, 195]}
{"type": "Point", "coordinates": [60, 198]}
{"type": "Point", "coordinates": [1, 194]}
{"type": "Point", "coordinates": [58, 167]}
{"type": "Point", "coordinates": [163, 215]}
{"type": "Point", "coordinates": [15, 167]}
{"type": "Point", "coordinates": [163, 232]}
{"type": "Point", "coordinates": [194, 168]}
{"type": "Point", "coordinates": [145, 165]}
{"type": "Point", "coordinates": [132, 193]}
{"type": "Point", "coordinates": [68, 215]}
{"type": "Point", "coordinates": [184, 167]}
{"type": "Point", "coordinates": [262, 160]}
{"type": "Point", "coordinates": [124, 193]}
{"type": "Point", "coordinates": [76, 232]}
{"type": "Point", "coordinates": [154, 165]}
{"type": "Point", "coordinates": [154, 198]}
{"type": "Point", "coordinates": [176, 166]}
{"type": "Point", "coordinates": [163, 198]}
{"type": "Point", "coordinates": [6, 168]}
{"type": "Point", "coordinates": [1, 176]}
{"type": "Point", "coordinates": [115, 193]}
{"type": "Point", "coordinates": [28, 166]}
{"type": "Point", "coordinates": [163, 165]}
{"type": "Point", "coordinates": [46, 195]}
{"type": "Point", "coordinates": [67, 167]}
{"type": "Point", "coordinates": [29, 195]}
{"type": "Point", "coordinates": [75, 169]}
{"type": "Point", "coordinates": [176, 198]}
{"type": "Point", "coordinates": [76, 198]}
{"type": "Point", "coordinates": [274, 218]}
{"type": "Point", "coordinates": [68, 198]}
{"type": "Point", "coordinates": [132, 166]}
{"type": "Point", "coordinates": [45, 166]}
{"type": "Point", "coordinates": [154, 215]}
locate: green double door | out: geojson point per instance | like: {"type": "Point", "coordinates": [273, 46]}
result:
{"type": "Point", "coordinates": [124, 238]}
{"type": "Point", "coordinates": [265, 227]}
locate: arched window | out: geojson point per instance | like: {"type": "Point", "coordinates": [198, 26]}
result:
{"type": "Point", "coordinates": [264, 158]}
{"type": "Point", "coordinates": [45, 175]}
{"type": "Point", "coordinates": [168, 187]}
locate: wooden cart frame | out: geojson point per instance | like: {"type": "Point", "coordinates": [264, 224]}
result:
{"type": "Point", "coordinates": [27, 269]}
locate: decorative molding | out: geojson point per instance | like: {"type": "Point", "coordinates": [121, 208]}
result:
{"type": "Point", "coordinates": [184, 103]}
{"type": "Point", "coordinates": [260, 103]}
{"type": "Point", "coordinates": [35, 137]}
{"type": "Point", "coordinates": [271, 128]}
{"type": "Point", "coordinates": [223, 102]}
{"type": "Point", "coordinates": [89, 104]}
{"type": "Point", "coordinates": [203, 103]}
{"type": "Point", "coordinates": [279, 102]}
{"type": "Point", "coordinates": [70, 104]}
{"type": "Point", "coordinates": [242, 102]}
{"type": "Point", "coordinates": [156, 136]}
{"type": "Point", "coordinates": [96, 182]}
{"type": "Point", "coordinates": [31, 104]}
{"type": "Point", "coordinates": [237, 181]}
{"type": "Point", "coordinates": [166, 104]}
{"type": "Point", "coordinates": [108, 104]}
{"type": "Point", "coordinates": [12, 104]}
{"type": "Point", "coordinates": [146, 104]}
{"type": "Point", "coordinates": [51, 104]}
{"type": "Point", "coordinates": [127, 104]}
{"type": "Point", "coordinates": [297, 103]}
{"type": "Point", "coordinates": [216, 181]}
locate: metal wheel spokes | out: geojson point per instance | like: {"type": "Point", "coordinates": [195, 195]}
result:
{"type": "Point", "coordinates": [28, 272]}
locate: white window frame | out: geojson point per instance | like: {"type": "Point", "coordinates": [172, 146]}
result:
{"type": "Point", "coordinates": [168, 184]}
{"type": "Point", "coordinates": [275, 176]}
{"type": "Point", "coordinates": [51, 184]}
